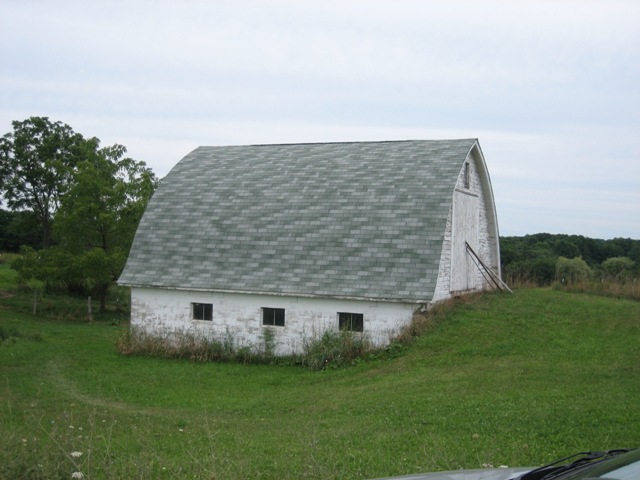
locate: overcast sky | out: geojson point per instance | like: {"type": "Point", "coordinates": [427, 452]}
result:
{"type": "Point", "coordinates": [550, 88]}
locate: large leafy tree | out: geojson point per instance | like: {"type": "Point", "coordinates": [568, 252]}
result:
{"type": "Point", "coordinates": [18, 228]}
{"type": "Point", "coordinates": [99, 214]}
{"type": "Point", "coordinates": [36, 163]}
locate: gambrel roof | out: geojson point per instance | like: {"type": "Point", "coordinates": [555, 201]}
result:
{"type": "Point", "coordinates": [361, 220]}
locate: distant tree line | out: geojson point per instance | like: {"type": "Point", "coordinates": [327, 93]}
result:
{"type": "Point", "coordinates": [73, 206]}
{"type": "Point", "coordinates": [544, 258]}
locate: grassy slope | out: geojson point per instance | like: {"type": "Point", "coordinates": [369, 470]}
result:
{"type": "Point", "coordinates": [515, 379]}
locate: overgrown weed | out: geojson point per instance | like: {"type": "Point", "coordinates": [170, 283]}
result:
{"type": "Point", "coordinates": [424, 321]}
{"type": "Point", "coordinates": [185, 347]}
{"type": "Point", "coordinates": [629, 289]}
{"type": "Point", "coordinates": [518, 282]}
{"type": "Point", "coordinates": [331, 349]}
{"type": "Point", "coordinates": [334, 349]}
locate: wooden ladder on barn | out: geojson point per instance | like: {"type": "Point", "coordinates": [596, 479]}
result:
{"type": "Point", "coordinates": [492, 277]}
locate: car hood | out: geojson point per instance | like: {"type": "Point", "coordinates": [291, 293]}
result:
{"type": "Point", "coordinates": [481, 474]}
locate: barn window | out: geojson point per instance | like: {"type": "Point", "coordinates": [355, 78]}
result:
{"type": "Point", "coordinates": [202, 311]}
{"type": "Point", "coordinates": [467, 180]}
{"type": "Point", "coordinates": [352, 322]}
{"type": "Point", "coordinates": [273, 316]}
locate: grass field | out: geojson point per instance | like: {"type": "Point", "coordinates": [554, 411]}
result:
{"type": "Point", "coordinates": [504, 380]}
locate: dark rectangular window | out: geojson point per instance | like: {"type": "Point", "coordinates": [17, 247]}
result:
{"type": "Point", "coordinates": [273, 316]}
{"type": "Point", "coordinates": [352, 322]}
{"type": "Point", "coordinates": [467, 179]}
{"type": "Point", "coordinates": [202, 311]}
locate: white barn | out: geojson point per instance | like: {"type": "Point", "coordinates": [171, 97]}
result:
{"type": "Point", "coordinates": [302, 238]}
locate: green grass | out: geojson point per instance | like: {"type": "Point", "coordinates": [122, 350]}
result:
{"type": "Point", "coordinates": [8, 277]}
{"type": "Point", "coordinates": [503, 379]}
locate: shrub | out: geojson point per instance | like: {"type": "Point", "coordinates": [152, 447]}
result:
{"type": "Point", "coordinates": [617, 269]}
{"type": "Point", "coordinates": [538, 270]}
{"type": "Point", "coordinates": [7, 258]}
{"type": "Point", "coordinates": [572, 271]}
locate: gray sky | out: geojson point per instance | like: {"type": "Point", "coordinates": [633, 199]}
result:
{"type": "Point", "coordinates": [550, 88]}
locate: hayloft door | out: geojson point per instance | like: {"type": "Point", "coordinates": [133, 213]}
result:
{"type": "Point", "coordinates": [464, 230]}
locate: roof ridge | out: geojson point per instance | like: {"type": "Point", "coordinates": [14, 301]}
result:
{"type": "Point", "coordinates": [356, 142]}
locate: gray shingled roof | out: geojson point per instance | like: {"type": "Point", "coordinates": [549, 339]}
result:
{"type": "Point", "coordinates": [352, 220]}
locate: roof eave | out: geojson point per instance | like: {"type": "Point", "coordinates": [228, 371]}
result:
{"type": "Point", "coordinates": [419, 301]}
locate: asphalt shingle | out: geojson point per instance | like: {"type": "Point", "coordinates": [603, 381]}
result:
{"type": "Point", "coordinates": [358, 220]}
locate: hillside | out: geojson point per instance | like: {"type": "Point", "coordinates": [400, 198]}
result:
{"type": "Point", "coordinates": [501, 379]}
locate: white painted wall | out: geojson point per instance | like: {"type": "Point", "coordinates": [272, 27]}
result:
{"type": "Point", "coordinates": [488, 241]}
{"type": "Point", "coordinates": [165, 312]}
{"type": "Point", "coordinates": [470, 219]}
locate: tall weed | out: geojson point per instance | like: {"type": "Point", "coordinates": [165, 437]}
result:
{"type": "Point", "coordinates": [184, 346]}
{"type": "Point", "coordinates": [334, 349]}
{"type": "Point", "coordinates": [629, 289]}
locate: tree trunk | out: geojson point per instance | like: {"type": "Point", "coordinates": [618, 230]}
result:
{"type": "Point", "coordinates": [35, 301]}
{"type": "Point", "coordinates": [46, 233]}
{"type": "Point", "coordinates": [102, 291]}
